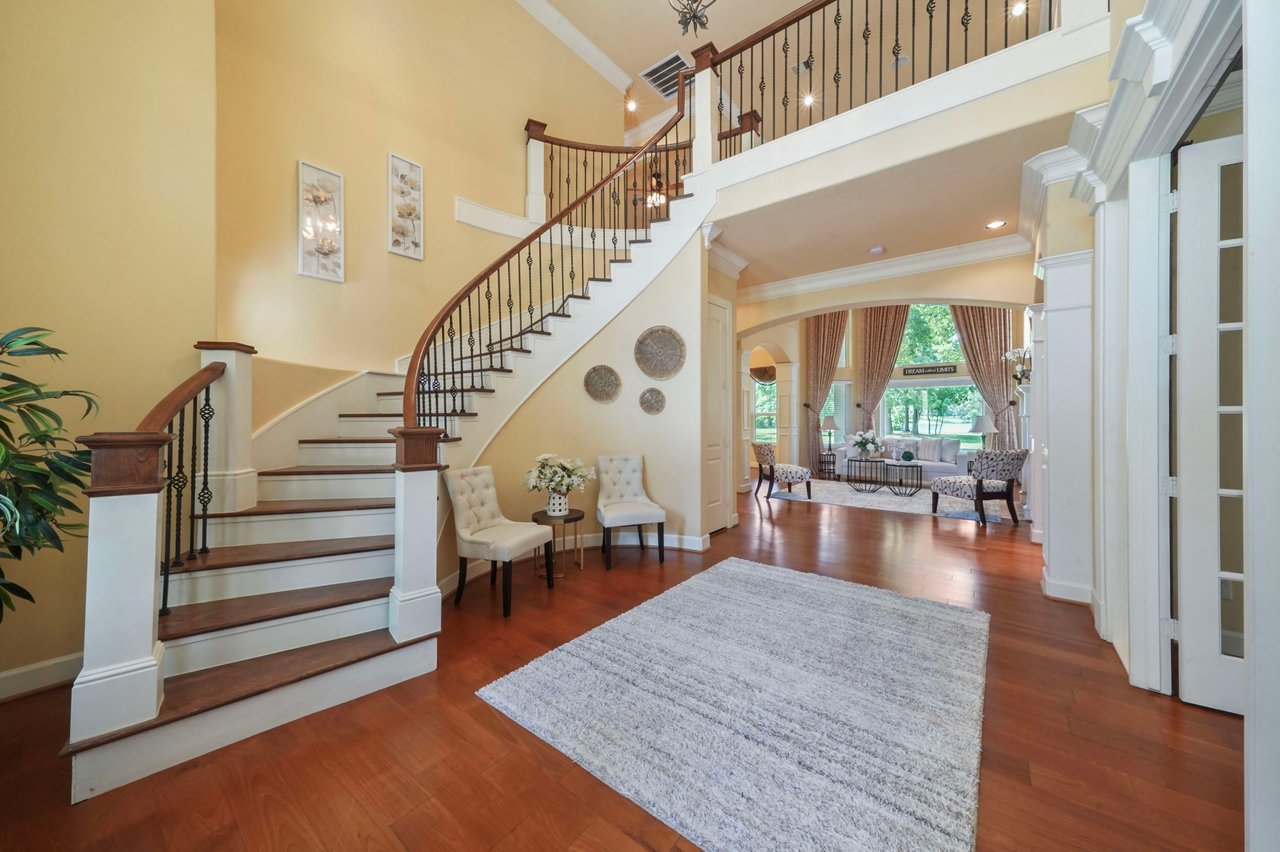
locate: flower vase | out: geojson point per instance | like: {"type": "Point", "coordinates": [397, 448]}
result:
{"type": "Point", "coordinates": [864, 453]}
{"type": "Point", "coordinates": [557, 504]}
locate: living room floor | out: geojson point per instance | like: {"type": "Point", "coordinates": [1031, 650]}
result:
{"type": "Point", "coordinates": [1073, 757]}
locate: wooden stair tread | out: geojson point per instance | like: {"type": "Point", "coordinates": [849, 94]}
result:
{"type": "Point", "coordinates": [328, 470]}
{"type": "Point", "coordinates": [190, 694]}
{"type": "Point", "coordinates": [393, 415]}
{"type": "Point", "coordinates": [436, 393]}
{"type": "Point", "coordinates": [298, 507]}
{"type": "Point", "coordinates": [285, 551]}
{"type": "Point", "coordinates": [193, 619]}
{"type": "Point", "coordinates": [341, 440]}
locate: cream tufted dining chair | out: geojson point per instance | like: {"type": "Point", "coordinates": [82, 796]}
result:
{"type": "Point", "coordinates": [624, 503]}
{"type": "Point", "coordinates": [483, 532]}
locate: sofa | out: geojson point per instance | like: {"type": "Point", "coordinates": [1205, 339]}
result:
{"type": "Point", "coordinates": [947, 457]}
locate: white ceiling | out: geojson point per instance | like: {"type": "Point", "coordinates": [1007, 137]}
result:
{"type": "Point", "coordinates": [932, 203]}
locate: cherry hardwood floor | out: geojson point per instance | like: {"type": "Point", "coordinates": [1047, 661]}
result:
{"type": "Point", "coordinates": [1073, 757]}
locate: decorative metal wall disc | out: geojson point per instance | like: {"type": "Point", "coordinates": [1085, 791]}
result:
{"type": "Point", "coordinates": [652, 401]}
{"type": "Point", "coordinates": [660, 352]}
{"type": "Point", "coordinates": [602, 383]}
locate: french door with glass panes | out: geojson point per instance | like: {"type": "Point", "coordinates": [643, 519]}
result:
{"type": "Point", "coordinates": [1208, 431]}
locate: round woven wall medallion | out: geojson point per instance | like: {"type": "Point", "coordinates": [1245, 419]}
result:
{"type": "Point", "coordinates": [660, 352]}
{"type": "Point", "coordinates": [602, 383]}
{"type": "Point", "coordinates": [652, 401]}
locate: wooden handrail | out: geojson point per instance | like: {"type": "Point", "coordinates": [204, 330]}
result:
{"type": "Point", "coordinates": [167, 409]}
{"type": "Point", "coordinates": [536, 131]}
{"type": "Point", "coordinates": [748, 122]}
{"type": "Point", "coordinates": [771, 29]}
{"type": "Point", "coordinates": [409, 407]}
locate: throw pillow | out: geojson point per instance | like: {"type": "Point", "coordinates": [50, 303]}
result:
{"type": "Point", "coordinates": [950, 450]}
{"type": "Point", "coordinates": [930, 449]}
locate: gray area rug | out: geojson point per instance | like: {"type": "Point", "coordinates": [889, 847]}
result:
{"type": "Point", "coordinates": [842, 494]}
{"type": "Point", "coordinates": [755, 707]}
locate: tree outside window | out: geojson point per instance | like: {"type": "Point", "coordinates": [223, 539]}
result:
{"type": "Point", "coordinates": [930, 337]}
{"type": "Point", "coordinates": [764, 414]}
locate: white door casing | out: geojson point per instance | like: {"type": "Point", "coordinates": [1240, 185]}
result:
{"type": "Point", "coordinates": [717, 420]}
{"type": "Point", "coordinates": [1209, 428]}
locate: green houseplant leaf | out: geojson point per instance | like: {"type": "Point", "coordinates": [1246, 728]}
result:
{"type": "Point", "coordinates": [41, 469]}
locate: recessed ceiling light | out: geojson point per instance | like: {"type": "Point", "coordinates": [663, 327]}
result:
{"type": "Point", "coordinates": [996, 225]}
{"type": "Point", "coordinates": [631, 105]}
{"type": "Point", "coordinates": [1018, 10]}
{"type": "Point", "coordinates": [876, 249]}
{"type": "Point", "coordinates": [808, 100]}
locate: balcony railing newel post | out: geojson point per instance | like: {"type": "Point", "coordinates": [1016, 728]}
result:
{"type": "Point", "coordinates": [704, 138]}
{"type": "Point", "coordinates": [536, 161]}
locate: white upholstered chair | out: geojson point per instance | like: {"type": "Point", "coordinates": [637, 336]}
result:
{"type": "Point", "coordinates": [483, 532]}
{"type": "Point", "coordinates": [624, 503]}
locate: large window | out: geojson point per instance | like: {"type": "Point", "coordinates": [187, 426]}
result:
{"type": "Point", "coordinates": [764, 412]}
{"type": "Point", "coordinates": [837, 405]}
{"type": "Point", "coordinates": [930, 337]}
{"type": "Point", "coordinates": [933, 411]}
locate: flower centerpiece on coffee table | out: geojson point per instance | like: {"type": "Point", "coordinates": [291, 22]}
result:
{"type": "Point", "coordinates": [558, 477]}
{"type": "Point", "coordinates": [867, 443]}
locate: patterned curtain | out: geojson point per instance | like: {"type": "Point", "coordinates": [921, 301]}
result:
{"type": "Point", "coordinates": [985, 335]}
{"type": "Point", "coordinates": [825, 334]}
{"type": "Point", "coordinates": [879, 338]}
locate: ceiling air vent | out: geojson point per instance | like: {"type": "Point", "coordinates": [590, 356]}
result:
{"type": "Point", "coordinates": [665, 76]}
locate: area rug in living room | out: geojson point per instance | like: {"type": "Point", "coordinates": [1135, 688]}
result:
{"type": "Point", "coordinates": [756, 707]}
{"type": "Point", "coordinates": [843, 494]}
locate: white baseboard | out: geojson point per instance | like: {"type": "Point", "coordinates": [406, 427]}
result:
{"type": "Point", "coordinates": [1070, 592]}
{"type": "Point", "coordinates": [38, 676]}
{"type": "Point", "coordinates": [1037, 536]}
{"type": "Point", "coordinates": [117, 763]}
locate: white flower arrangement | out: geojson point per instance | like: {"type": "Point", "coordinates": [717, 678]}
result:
{"type": "Point", "coordinates": [552, 473]}
{"type": "Point", "coordinates": [1021, 359]}
{"type": "Point", "coordinates": [868, 442]}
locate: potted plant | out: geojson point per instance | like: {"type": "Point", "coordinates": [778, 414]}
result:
{"type": "Point", "coordinates": [867, 443]}
{"type": "Point", "coordinates": [558, 477]}
{"type": "Point", "coordinates": [41, 470]}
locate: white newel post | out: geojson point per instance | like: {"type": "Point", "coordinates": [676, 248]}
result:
{"type": "Point", "coordinates": [232, 477]}
{"type": "Point", "coordinates": [535, 203]}
{"type": "Point", "coordinates": [1068, 426]}
{"type": "Point", "coordinates": [703, 108]}
{"type": "Point", "coordinates": [122, 681]}
{"type": "Point", "coordinates": [414, 602]}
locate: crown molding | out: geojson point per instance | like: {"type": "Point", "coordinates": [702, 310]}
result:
{"type": "Point", "coordinates": [727, 261]}
{"type": "Point", "coordinates": [1230, 96]}
{"type": "Point", "coordinates": [913, 264]}
{"type": "Point", "coordinates": [1048, 167]}
{"type": "Point", "coordinates": [573, 38]}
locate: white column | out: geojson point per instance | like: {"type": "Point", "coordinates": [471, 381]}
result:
{"type": "Point", "coordinates": [1068, 437]}
{"type": "Point", "coordinates": [1262, 467]}
{"type": "Point", "coordinates": [232, 477]}
{"type": "Point", "coordinates": [1111, 359]}
{"type": "Point", "coordinates": [746, 415]}
{"type": "Point", "coordinates": [535, 203]}
{"type": "Point", "coordinates": [1037, 464]}
{"type": "Point", "coordinates": [704, 138]}
{"type": "Point", "coordinates": [788, 412]}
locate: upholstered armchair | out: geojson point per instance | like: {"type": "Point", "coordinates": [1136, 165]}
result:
{"type": "Point", "coordinates": [483, 532]}
{"type": "Point", "coordinates": [993, 475]}
{"type": "Point", "coordinates": [786, 474]}
{"type": "Point", "coordinates": [624, 503]}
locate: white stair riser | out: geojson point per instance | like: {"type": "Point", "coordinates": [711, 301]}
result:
{"type": "Point", "coordinates": [193, 653]}
{"type": "Point", "coordinates": [367, 427]}
{"type": "Point", "coordinates": [391, 404]}
{"type": "Point", "coordinates": [115, 764]}
{"type": "Point", "coordinates": [352, 454]}
{"type": "Point", "coordinates": [326, 487]}
{"type": "Point", "coordinates": [269, 577]}
{"type": "Point", "coordinates": [270, 529]}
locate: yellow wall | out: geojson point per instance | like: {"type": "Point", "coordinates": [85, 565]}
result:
{"type": "Point", "coordinates": [1066, 225]}
{"type": "Point", "coordinates": [560, 418]}
{"type": "Point", "coordinates": [341, 84]}
{"type": "Point", "coordinates": [280, 385]}
{"type": "Point", "coordinates": [107, 163]}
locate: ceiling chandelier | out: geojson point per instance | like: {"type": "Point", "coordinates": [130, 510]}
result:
{"type": "Point", "coordinates": [691, 13]}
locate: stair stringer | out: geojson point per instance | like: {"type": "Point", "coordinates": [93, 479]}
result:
{"type": "Point", "coordinates": [589, 318]}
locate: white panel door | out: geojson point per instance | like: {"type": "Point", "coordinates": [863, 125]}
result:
{"type": "Point", "coordinates": [1210, 409]}
{"type": "Point", "coordinates": [717, 415]}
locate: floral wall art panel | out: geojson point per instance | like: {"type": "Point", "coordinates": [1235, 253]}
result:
{"type": "Point", "coordinates": [320, 240]}
{"type": "Point", "coordinates": [404, 207]}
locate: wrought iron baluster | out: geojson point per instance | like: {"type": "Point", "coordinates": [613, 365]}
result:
{"type": "Point", "coordinates": [786, 78]}
{"type": "Point", "coordinates": [179, 479]}
{"type": "Point", "coordinates": [205, 496]}
{"type": "Point", "coordinates": [929, 8]}
{"type": "Point", "coordinates": [866, 52]}
{"type": "Point", "coordinates": [880, 53]}
{"type": "Point", "coordinates": [167, 559]}
{"type": "Point", "coordinates": [195, 447]}
{"type": "Point", "coordinates": [965, 20]}
{"type": "Point", "coordinates": [897, 41]}
{"type": "Point", "coordinates": [837, 20]}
